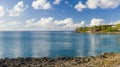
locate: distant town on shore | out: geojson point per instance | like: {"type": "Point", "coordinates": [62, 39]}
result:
{"type": "Point", "coordinates": [99, 29]}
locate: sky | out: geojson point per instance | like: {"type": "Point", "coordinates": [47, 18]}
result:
{"type": "Point", "coordinates": [56, 15]}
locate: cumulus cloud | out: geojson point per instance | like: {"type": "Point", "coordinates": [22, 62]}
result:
{"type": "Point", "coordinates": [92, 4]}
{"type": "Point", "coordinates": [51, 24]}
{"type": "Point", "coordinates": [18, 9]}
{"type": "Point", "coordinates": [80, 6]}
{"type": "Point", "coordinates": [97, 22]}
{"type": "Point", "coordinates": [41, 4]}
{"type": "Point", "coordinates": [57, 2]}
{"type": "Point", "coordinates": [2, 11]}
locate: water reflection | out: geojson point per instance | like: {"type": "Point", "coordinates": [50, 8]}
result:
{"type": "Point", "coordinates": [80, 45]}
{"type": "Point", "coordinates": [62, 44]}
{"type": "Point", "coordinates": [54, 44]}
{"type": "Point", "coordinates": [1, 48]}
{"type": "Point", "coordinates": [93, 44]}
{"type": "Point", "coordinates": [40, 45]}
{"type": "Point", "coordinates": [26, 41]}
{"type": "Point", "coordinates": [9, 45]}
{"type": "Point", "coordinates": [17, 46]}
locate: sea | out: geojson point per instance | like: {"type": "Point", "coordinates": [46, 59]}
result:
{"type": "Point", "coordinates": [53, 44]}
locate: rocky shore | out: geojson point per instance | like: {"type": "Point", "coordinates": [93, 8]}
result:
{"type": "Point", "coordinates": [103, 60]}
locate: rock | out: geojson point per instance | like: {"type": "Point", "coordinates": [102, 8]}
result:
{"type": "Point", "coordinates": [103, 60]}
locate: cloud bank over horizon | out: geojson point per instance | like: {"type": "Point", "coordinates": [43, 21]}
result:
{"type": "Point", "coordinates": [57, 15]}
{"type": "Point", "coordinates": [50, 24]}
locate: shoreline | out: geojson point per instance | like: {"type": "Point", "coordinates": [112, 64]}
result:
{"type": "Point", "coordinates": [100, 32]}
{"type": "Point", "coordinates": [103, 60]}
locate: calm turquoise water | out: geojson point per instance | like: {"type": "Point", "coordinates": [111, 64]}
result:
{"type": "Point", "coordinates": [55, 44]}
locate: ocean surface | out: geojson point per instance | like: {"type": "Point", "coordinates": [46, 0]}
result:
{"type": "Point", "coordinates": [56, 44]}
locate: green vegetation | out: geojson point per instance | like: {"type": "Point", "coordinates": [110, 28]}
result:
{"type": "Point", "coordinates": [100, 29]}
{"type": "Point", "coordinates": [118, 26]}
{"type": "Point", "coordinates": [82, 29]}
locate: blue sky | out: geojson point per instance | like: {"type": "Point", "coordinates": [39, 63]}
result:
{"type": "Point", "coordinates": [57, 14]}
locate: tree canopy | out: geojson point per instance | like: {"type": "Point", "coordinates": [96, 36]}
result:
{"type": "Point", "coordinates": [101, 28]}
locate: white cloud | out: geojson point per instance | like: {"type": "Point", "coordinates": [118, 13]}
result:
{"type": "Point", "coordinates": [109, 4]}
{"type": "Point", "coordinates": [80, 6]}
{"type": "Point", "coordinates": [73, 25]}
{"type": "Point", "coordinates": [30, 22]}
{"type": "Point", "coordinates": [9, 24]}
{"type": "Point", "coordinates": [64, 22]}
{"type": "Point", "coordinates": [43, 24]}
{"type": "Point", "coordinates": [2, 11]}
{"type": "Point", "coordinates": [57, 2]}
{"type": "Point", "coordinates": [18, 9]}
{"type": "Point", "coordinates": [41, 4]}
{"type": "Point", "coordinates": [97, 22]}
{"type": "Point", "coordinates": [51, 24]}
{"type": "Point", "coordinates": [92, 4]}
{"type": "Point", "coordinates": [12, 26]}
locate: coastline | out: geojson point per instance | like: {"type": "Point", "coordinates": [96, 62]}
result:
{"type": "Point", "coordinates": [103, 60]}
{"type": "Point", "coordinates": [99, 32]}
{"type": "Point", "coordinates": [106, 32]}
